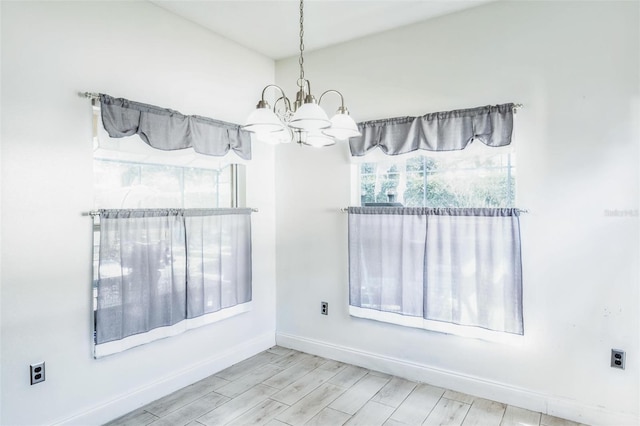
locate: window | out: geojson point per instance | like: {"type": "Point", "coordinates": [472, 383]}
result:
{"type": "Point", "coordinates": [449, 260]}
{"type": "Point", "coordinates": [169, 253]}
{"type": "Point", "coordinates": [454, 180]}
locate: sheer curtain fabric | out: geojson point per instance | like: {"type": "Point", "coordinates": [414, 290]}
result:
{"type": "Point", "coordinates": [161, 272]}
{"type": "Point", "coordinates": [425, 267]}
{"type": "Point", "coordinates": [218, 262]}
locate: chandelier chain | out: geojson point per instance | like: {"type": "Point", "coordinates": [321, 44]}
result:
{"type": "Point", "coordinates": [301, 59]}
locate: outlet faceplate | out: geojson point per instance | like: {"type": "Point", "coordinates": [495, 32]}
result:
{"type": "Point", "coordinates": [324, 308]}
{"type": "Point", "coordinates": [617, 358]}
{"type": "Point", "coordinates": [37, 372]}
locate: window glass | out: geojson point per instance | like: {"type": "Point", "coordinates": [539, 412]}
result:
{"type": "Point", "coordinates": [441, 181]}
{"type": "Point", "coordinates": [122, 184]}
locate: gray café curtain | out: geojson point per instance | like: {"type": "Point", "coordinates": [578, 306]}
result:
{"type": "Point", "coordinates": [160, 267]}
{"type": "Point", "coordinates": [141, 281]}
{"type": "Point", "coordinates": [455, 265]}
{"type": "Point", "coordinates": [218, 261]}
{"type": "Point", "coordinates": [165, 129]}
{"type": "Point", "coordinates": [439, 131]}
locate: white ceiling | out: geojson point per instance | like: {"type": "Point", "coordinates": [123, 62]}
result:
{"type": "Point", "coordinates": [272, 27]}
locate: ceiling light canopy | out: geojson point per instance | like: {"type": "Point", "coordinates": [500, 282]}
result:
{"type": "Point", "coordinates": [305, 122]}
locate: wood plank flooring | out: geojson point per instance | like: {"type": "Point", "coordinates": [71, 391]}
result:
{"type": "Point", "coordinates": [283, 387]}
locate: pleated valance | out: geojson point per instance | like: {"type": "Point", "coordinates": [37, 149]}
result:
{"type": "Point", "coordinates": [169, 130]}
{"type": "Point", "coordinates": [439, 131]}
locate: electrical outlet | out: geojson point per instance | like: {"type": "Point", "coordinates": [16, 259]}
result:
{"type": "Point", "coordinates": [37, 372]}
{"type": "Point", "coordinates": [324, 308]}
{"type": "Point", "coordinates": [617, 358]}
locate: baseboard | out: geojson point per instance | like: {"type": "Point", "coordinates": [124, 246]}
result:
{"type": "Point", "coordinates": [125, 403]}
{"type": "Point", "coordinates": [501, 392]}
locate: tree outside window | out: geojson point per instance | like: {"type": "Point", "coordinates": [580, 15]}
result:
{"type": "Point", "coordinates": [442, 181]}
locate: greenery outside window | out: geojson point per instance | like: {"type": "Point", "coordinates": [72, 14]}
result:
{"type": "Point", "coordinates": [442, 180]}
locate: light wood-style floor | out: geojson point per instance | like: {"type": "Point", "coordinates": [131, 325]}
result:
{"type": "Point", "coordinates": [282, 387]}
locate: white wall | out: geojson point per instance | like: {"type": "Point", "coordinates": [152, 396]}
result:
{"type": "Point", "coordinates": [51, 51]}
{"type": "Point", "coordinates": [574, 66]}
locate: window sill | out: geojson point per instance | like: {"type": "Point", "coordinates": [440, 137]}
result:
{"type": "Point", "coordinates": [438, 326]}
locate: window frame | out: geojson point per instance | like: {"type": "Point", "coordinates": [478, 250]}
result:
{"type": "Point", "coordinates": [426, 324]}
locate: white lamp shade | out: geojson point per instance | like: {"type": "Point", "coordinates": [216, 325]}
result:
{"type": "Point", "coordinates": [274, 138]}
{"type": "Point", "coordinates": [263, 120]}
{"type": "Point", "coordinates": [342, 127]}
{"type": "Point", "coordinates": [310, 117]}
{"type": "Point", "coordinates": [318, 139]}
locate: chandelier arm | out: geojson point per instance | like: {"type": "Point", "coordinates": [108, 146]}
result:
{"type": "Point", "coordinates": [342, 108]}
{"type": "Point", "coordinates": [287, 103]}
{"type": "Point", "coordinates": [308, 88]}
{"type": "Point", "coordinates": [287, 106]}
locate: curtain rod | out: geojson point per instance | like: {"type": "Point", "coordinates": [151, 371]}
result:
{"type": "Point", "coordinates": [346, 209]}
{"type": "Point", "coordinates": [89, 95]}
{"type": "Point", "coordinates": [97, 212]}
{"type": "Point", "coordinates": [92, 95]}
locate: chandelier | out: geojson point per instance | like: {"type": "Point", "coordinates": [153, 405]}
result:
{"type": "Point", "coordinates": [305, 121]}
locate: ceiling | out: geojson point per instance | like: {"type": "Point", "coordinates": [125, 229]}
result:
{"type": "Point", "coordinates": [272, 27]}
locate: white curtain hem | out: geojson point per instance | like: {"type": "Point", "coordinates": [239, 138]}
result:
{"type": "Point", "coordinates": [129, 342]}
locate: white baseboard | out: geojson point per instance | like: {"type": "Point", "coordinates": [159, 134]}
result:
{"type": "Point", "coordinates": [125, 403]}
{"type": "Point", "coordinates": [501, 392]}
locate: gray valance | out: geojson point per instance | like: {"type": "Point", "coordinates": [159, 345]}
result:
{"type": "Point", "coordinates": [169, 130]}
{"type": "Point", "coordinates": [438, 131]}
